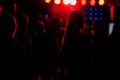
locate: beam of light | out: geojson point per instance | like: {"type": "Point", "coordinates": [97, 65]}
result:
{"type": "Point", "coordinates": [47, 1]}
{"type": "Point", "coordinates": [101, 2]}
{"type": "Point", "coordinates": [83, 2]}
{"type": "Point", "coordinates": [92, 2]}
{"type": "Point", "coordinates": [57, 1]}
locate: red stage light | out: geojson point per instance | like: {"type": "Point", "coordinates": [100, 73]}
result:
{"type": "Point", "coordinates": [101, 2]}
{"type": "Point", "coordinates": [47, 1]}
{"type": "Point", "coordinates": [57, 1]}
{"type": "Point", "coordinates": [92, 2]}
{"type": "Point", "coordinates": [83, 2]}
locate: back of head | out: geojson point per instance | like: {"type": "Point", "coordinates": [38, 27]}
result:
{"type": "Point", "coordinates": [74, 25]}
{"type": "Point", "coordinates": [56, 23]}
{"type": "Point", "coordinates": [7, 26]}
{"type": "Point", "coordinates": [75, 20]}
{"type": "Point", "coordinates": [23, 22]}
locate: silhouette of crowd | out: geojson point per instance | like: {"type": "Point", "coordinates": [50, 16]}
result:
{"type": "Point", "coordinates": [33, 47]}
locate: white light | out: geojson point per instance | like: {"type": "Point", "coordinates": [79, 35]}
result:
{"type": "Point", "coordinates": [111, 26]}
{"type": "Point", "coordinates": [66, 2]}
{"type": "Point", "coordinates": [73, 2]}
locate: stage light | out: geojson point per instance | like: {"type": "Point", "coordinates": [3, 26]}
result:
{"type": "Point", "coordinates": [95, 18]}
{"type": "Point", "coordinates": [91, 13]}
{"type": "Point", "coordinates": [85, 18]}
{"type": "Point", "coordinates": [111, 26]}
{"type": "Point", "coordinates": [91, 18]}
{"type": "Point", "coordinates": [95, 9]}
{"type": "Point", "coordinates": [100, 18]}
{"type": "Point", "coordinates": [57, 1]}
{"type": "Point", "coordinates": [66, 2]}
{"type": "Point", "coordinates": [95, 14]}
{"type": "Point", "coordinates": [83, 2]}
{"type": "Point", "coordinates": [47, 1]}
{"type": "Point", "coordinates": [73, 2]}
{"type": "Point", "coordinates": [92, 2]}
{"type": "Point", "coordinates": [101, 2]}
{"type": "Point", "coordinates": [90, 9]}
{"type": "Point", "coordinates": [46, 15]}
{"type": "Point", "coordinates": [85, 9]}
{"type": "Point", "coordinates": [101, 14]}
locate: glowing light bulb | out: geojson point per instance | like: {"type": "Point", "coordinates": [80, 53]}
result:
{"type": "Point", "coordinates": [57, 1]}
{"type": "Point", "coordinates": [73, 2]}
{"type": "Point", "coordinates": [101, 2]}
{"type": "Point", "coordinates": [83, 2]}
{"type": "Point", "coordinates": [66, 2]}
{"type": "Point", "coordinates": [92, 2]}
{"type": "Point", "coordinates": [47, 1]}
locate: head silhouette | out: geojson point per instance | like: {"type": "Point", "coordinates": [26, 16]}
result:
{"type": "Point", "coordinates": [56, 23]}
{"type": "Point", "coordinates": [74, 26]}
{"type": "Point", "coordinates": [75, 20]}
{"type": "Point", "coordinates": [7, 27]}
{"type": "Point", "coordinates": [23, 22]}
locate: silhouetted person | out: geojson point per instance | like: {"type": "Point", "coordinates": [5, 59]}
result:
{"type": "Point", "coordinates": [115, 50]}
{"type": "Point", "coordinates": [101, 48]}
{"type": "Point", "coordinates": [100, 40]}
{"type": "Point", "coordinates": [115, 41]}
{"type": "Point", "coordinates": [9, 64]}
{"type": "Point", "coordinates": [55, 30]}
{"type": "Point", "coordinates": [42, 45]}
{"type": "Point", "coordinates": [24, 45]}
{"type": "Point", "coordinates": [74, 46]}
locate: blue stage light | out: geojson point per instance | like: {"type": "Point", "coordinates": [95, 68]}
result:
{"type": "Point", "coordinates": [91, 18]}
{"type": "Point", "coordinates": [90, 9]}
{"type": "Point", "coordinates": [95, 14]}
{"type": "Point", "coordinates": [91, 13]}
{"type": "Point", "coordinates": [46, 15]}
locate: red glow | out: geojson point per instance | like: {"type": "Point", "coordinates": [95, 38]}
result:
{"type": "Point", "coordinates": [83, 2]}
{"type": "Point", "coordinates": [112, 13]}
{"type": "Point", "coordinates": [57, 1]}
{"type": "Point", "coordinates": [16, 27]}
{"type": "Point", "coordinates": [92, 2]}
{"type": "Point", "coordinates": [47, 1]}
{"type": "Point", "coordinates": [15, 8]}
{"type": "Point", "coordinates": [0, 9]}
{"type": "Point", "coordinates": [73, 2]}
{"type": "Point", "coordinates": [101, 2]}
{"type": "Point", "coordinates": [58, 70]}
{"type": "Point", "coordinates": [39, 77]}
{"type": "Point", "coordinates": [66, 2]}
